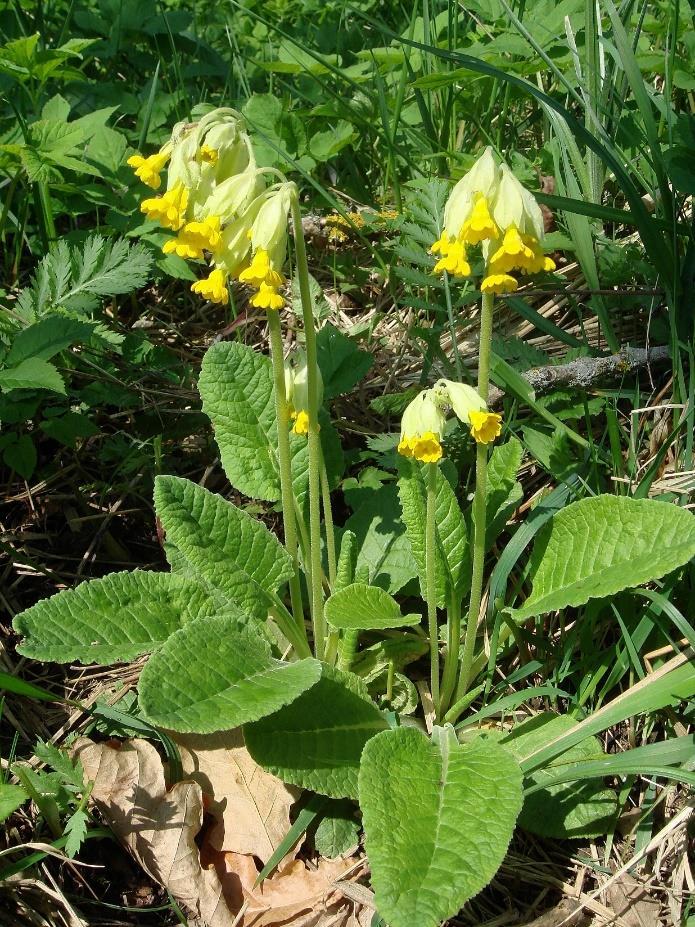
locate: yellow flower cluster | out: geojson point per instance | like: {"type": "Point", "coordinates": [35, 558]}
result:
{"type": "Point", "coordinates": [217, 201]}
{"type": "Point", "coordinates": [297, 392]}
{"type": "Point", "coordinates": [424, 420]}
{"type": "Point", "coordinates": [338, 224]}
{"type": "Point", "coordinates": [489, 207]}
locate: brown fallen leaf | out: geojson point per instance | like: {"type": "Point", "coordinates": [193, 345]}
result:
{"type": "Point", "coordinates": [251, 807]}
{"type": "Point", "coordinates": [631, 900]}
{"type": "Point", "coordinates": [158, 826]}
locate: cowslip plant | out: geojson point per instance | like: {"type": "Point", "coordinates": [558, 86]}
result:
{"type": "Point", "coordinates": [293, 639]}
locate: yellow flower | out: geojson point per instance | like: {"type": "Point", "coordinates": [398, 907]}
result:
{"type": "Point", "coordinates": [209, 154]}
{"type": "Point", "coordinates": [267, 297]}
{"type": "Point", "coordinates": [512, 254]}
{"type": "Point", "coordinates": [480, 225]}
{"type": "Point", "coordinates": [301, 422]}
{"type": "Point", "coordinates": [148, 169]}
{"type": "Point", "coordinates": [453, 259]}
{"type": "Point", "coordinates": [498, 283]}
{"type": "Point", "coordinates": [213, 288]}
{"type": "Point", "coordinates": [422, 427]}
{"type": "Point", "coordinates": [261, 271]}
{"type": "Point", "coordinates": [485, 426]}
{"type": "Point", "coordinates": [196, 237]}
{"type": "Point", "coordinates": [170, 209]}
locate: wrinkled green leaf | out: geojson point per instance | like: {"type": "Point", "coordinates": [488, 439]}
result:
{"type": "Point", "coordinates": [366, 608]}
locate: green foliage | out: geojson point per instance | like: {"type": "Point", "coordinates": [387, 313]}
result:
{"type": "Point", "coordinates": [214, 674]}
{"type": "Point", "coordinates": [504, 492]}
{"type": "Point", "coordinates": [330, 724]}
{"type": "Point", "coordinates": [341, 362]}
{"type": "Point", "coordinates": [597, 547]}
{"type": "Point", "coordinates": [366, 608]}
{"type": "Point", "coordinates": [114, 619]}
{"type": "Point", "coordinates": [338, 831]}
{"type": "Point", "coordinates": [468, 799]}
{"type": "Point", "coordinates": [11, 798]}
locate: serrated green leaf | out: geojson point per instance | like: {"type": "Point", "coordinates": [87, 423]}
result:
{"type": "Point", "coordinates": [32, 373]}
{"type": "Point", "coordinates": [504, 492]}
{"type": "Point", "coordinates": [342, 363]}
{"type": "Point", "coordinates": [452, 562]}
{"type": "Point", "coordinates": [599, 546]}
{"type": "Point", "coordinates": [11, 797]}
{"type": "Point", "coordinates": [212, 675]}
{"type": "Point", "coordinates": [464, 803]}
{"type": "Point", "coordinates": [338, 830]}
{"type": "Point", "coordinates": [384, 550]}
{"type": "Point", "coordinates": [316, 742]}
{"type": "Point", "coordinates": [48, 337]}
{"type": "Point", "coordinates": [112, 619]}
{"type": "Point", "coordinates": [76, 831]}
{"type": "Point", "coordinates": [361, 607]}
{"type": "Point", "coordinates": [569, 810]}
{"type": "Point", "coordinates": [232, 551]}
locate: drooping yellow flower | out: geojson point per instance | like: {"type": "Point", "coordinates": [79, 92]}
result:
{"type": "Point", "coordinates": [148, 169]}
{"type": "Point", "coordinates": [498, 283]}
{"type": "Point", "coordinates": [169, 209]}
{"type": "Point", "coordinates": [485, 426]}
{"type": "Point", "coordinates": [195, 238]}
{"type": "Point", "coordinates": [267, 297]}
{"type": "Point", "coordinates": [480, 226]}
{"type": "Point", "coordinates": [300, 422]}
{"type": "Point", "coordinates": [512, 254]}
{"type": "Point", "coordinates": [208, 153]}
{"type": "Point", "coordinates": [261, 271]}
{"type": "Point", "coordinates": [453, 259]}
{"type": "Point", "coordinates": [422, 427]}
{"type": "Point", "coordinates": [213, 287]}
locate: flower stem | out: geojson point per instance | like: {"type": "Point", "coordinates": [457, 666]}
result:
{"type": "Point", "coordinates": [453, 647]}
{"type": "Point", "coordinates": [313, 439]}
{"type": "Point", "coordinates": [285, 465]}
{"type": "Point", "coordinates": [479, 503]}
{"type": "Point", "coordinates": [431, 581]}
{"type": "Point", "coordinates": [348, 649]}
{"type": "Point", "coordinates": [328, 522]}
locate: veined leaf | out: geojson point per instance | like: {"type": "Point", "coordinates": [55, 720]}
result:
{"type": "Point", "coordinates": [212, 676]}
{"type": "Point", "coordinates": [597, 547]}
{"type": "Point", "coordinates": [428, 863]}
{"type": "Point", "coordinates": [112, 619]}
{"type": "Point", "coordinates": [230, 549]}
{"type": "Point", "coordinates": [503, 490]}
{"type": "Point", "coordinates": [316, 742]}
{"type": "Point", "coordinates": [366, 608]}
{"type": "Point", "coordinates": [452, 563]}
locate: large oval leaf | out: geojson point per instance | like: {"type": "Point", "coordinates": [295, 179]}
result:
{"type": "Point", "coordinates": [316, 742]}
{"type": "Point", "coordinates": [438, 818]}
{"type": "Point", "coordinates": [113, 619]}
{"type": "Point", "coordinates": [213, 675]}
{"type": "Point", "coordinates": [597, 547]}
{"type": "Point", "coordinates": [231, 550]}
{"type": "Point", "coordinates": [361, 607]}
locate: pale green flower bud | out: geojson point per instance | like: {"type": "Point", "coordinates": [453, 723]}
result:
{"type": "Point", "coordinates": [300, 384]}
{"type": "Point", "coordinates": [462, 398]}
{"type": "Point", "coordinates": [232, 196]}
{"type": "Point", "coordinates": [480, 180]}
{"type": "Point", "coordinates": [269, 230]}
{"type": "Point", "coordinates": [514, 206]}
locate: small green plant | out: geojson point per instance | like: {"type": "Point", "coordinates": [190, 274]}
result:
{"type": "Point", "coordinates": [305, 642]}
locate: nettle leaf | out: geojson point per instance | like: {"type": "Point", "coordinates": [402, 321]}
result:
{"type": "Point", "coordinates": [232, 551]}
{"type": "Point", "coordinates": [316, 742]}
{"type": "Point", "coordinates": [342, 363]}
{"type": "Point", "coordinates": [113, 619]}
{"type": "Point", "coordinates": [384, 549]}
{"type": "Point", "coordinates": [504, 492]}
{"type": "Point", "coordinates": [236, 389]}
{"type": "Point", "coordinates": [361, 607]}
{"type": "Point", "coordinates": [571, 809]}
{"type": "Point", "coordinates": [448, 849]}
{"type": "Point", "coordinates": [213, 675]}
{"type": "Point", "coordinates": [597, 547]}
{"type": "Point", "coordinates": [452, 562]}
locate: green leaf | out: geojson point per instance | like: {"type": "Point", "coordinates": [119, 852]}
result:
{"type": "Point", "coordinates": [366, 608]}
{"type": "Point", "coordinates": [228, 548]}
{"type": "Point", "coordinates": [32, 373]}
{"type": "Point", "coordinates": [76, 832]}
{"type": "Point", "coordinates": [463, 801]}
{"type": "Point", "coordinates": [338, 831]}
{"type": "Point", "coordinates": [452, 562]}
{"type": "Point", "coordinates": [212, 675]}
{"type": "Point", "coordinates": [11, 797]}
{"type": "Point", "coordinates": [48, 337]}
{"type": "Point", "coordinates": [384, 549]}
{"type": "Point", "coordinates": [20, 455]}
{"type": "Point", "coordinates": [504, 492]}
{"type": "Point", "coordinates": [327, 144]}
{"type": "Point", "coordinates": [599, 546]}
{"type": "Point", "coordinates": [569, 810]}
{"type": "Point", "coordinates": [342, 363]}
{"type": "Point", "coordinates": [113, 619]}
{"type": "Point", "coordinates": [316, 742]}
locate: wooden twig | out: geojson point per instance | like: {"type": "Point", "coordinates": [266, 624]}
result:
{"type": "Point", "coordinates": [586, 372]}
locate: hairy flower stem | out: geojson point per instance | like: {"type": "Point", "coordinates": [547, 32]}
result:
{"type": "Point", "coordinates": [431, 582]}
{"type": "Point", "coordinates": [285, 465]}
{"type": "Point", "coordinates": [453, 646]}
{"type": "Point", "coordinates": [348, 649]}
{"type": "Point", "coordinates": [479, 504]}
{"type": "Point", "coordinates": [313, 439]}
{"type": "Point", "coordinates": [328, 522]}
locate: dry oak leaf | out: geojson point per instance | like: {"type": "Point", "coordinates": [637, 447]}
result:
{"type": "Point", "coordinates": [159, 827]}
{"type": "Point", "coordinates": [251, 807]}
{"type": "Point", "coordinates": [295, 895]}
